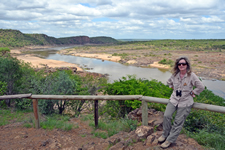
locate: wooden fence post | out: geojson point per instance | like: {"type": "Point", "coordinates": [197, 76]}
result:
{"type": "Point", "coordinates": [36, 113]}
{"type": "Point", "coordinates": [96, 113]}
{"type": "Point", "coordinates": [144, 113]}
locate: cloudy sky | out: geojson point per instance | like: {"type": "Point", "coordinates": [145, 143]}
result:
{"type": "Point", "coordinates": [120, 19]}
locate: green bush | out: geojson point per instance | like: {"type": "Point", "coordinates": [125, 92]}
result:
{"type": "Point", "coordinates": [209, 139]}
{"type": "Point", "coordinates": [166, 62]}
{"type": "Point", "coordinates": [10, 73]}
{"type": "Point", "coordinates": [131, 86]}
{"type": "Point", "coordinates": [4, 50]}
{"type": "Point", "coordinates": [3, 88]}
{"type": "Point", "coordinates": [209, 121]}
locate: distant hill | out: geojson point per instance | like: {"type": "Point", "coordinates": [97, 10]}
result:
{"type": "Point", "coordinates": [15, 38]}
{"type": "Point", "coordinates": [102, 40]}
{"type": "Point", "coordinates": [128, 40]}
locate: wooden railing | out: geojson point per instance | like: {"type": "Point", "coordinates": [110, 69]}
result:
{"type": "Point", "coordinates": [144, 100]}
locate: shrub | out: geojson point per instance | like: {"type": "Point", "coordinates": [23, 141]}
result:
{"type": "Point", "coordinates": [10, 73]}
{"type": "Point", "coordinates": [166, 62]}
{"type": "Point", "coordinates": [131, 86]}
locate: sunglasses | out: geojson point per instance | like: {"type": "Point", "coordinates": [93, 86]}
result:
{"type": "Point", "coordinates": [183, 64]}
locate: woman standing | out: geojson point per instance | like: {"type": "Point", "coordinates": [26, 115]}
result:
{"type": "Point", "coordinates": [181, 100]}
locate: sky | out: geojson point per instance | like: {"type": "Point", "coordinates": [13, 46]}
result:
{"type": "Point", "coordinates": [120, 19]}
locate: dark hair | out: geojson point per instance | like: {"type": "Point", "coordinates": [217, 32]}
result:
{"type": "Point", "coordinates": [176, 69]}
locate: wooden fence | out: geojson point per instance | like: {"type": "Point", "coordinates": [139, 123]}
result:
{"type": "Point", "coordinates": [144, 100]}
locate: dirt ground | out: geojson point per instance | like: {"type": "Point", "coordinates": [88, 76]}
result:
{"type": "Point", "coordinates": [16, 137]}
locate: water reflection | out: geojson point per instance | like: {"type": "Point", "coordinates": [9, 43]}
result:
{"type": "Point", "coordinates": [115, 70]}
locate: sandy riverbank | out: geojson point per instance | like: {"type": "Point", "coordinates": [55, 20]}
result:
{"type": "Point", "coordinates": [109, 57]}
{"type": "Point", "coordinates": [39, 62]}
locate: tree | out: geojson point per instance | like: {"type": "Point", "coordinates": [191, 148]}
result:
{"type": "Point", "coordinates": [57, 83]}
{"type": "Point", "coordinates": [4, 50]}
{"type": "Point", "coordinates": [3, 87]}
{"type": "Point", "coordinates": [10, 73]}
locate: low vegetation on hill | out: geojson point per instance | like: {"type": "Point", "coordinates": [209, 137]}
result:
{"type": "Point", "coordinates": [103, 40]}
{"type": "Point", "coordinates": [169, 44]}
{"type": "Point", "coordinates": [15, 38]}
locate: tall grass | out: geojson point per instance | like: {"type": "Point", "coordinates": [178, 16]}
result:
{"type": "Point", "coordinates": [57, 121]}
{"type": "Point", "coordinates": [209, 140]}
{"type": "Point", "coordinates": [111, 127]}
{"type": "Point", "coordinates": [8, 115]}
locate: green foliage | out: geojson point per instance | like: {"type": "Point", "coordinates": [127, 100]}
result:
{"type": "Point", "coordinates": [99, 134]}
{"type": "Point", "coordinates": [131, 86]}
{"type": "Point", "coordinates": [123, 55]}
{"type": "Point", "coordinates": [25, 84]}
{"type": "Point", "coordinates": [10, 73]}
{"type": "Point", "coordinates": [58, 122]}
{"type": "Point", "coordinates": [87, 85]}
{"type": "Point", "coordinates": [209, 139]}
{"type": "Point", "coordinates": [8, 115]}
{"type": "Point", "coordinates": [112, 127]}
{"type": "Point", "coordinates": [57, 83]}
{"type": "Point", "coordinates": [166, 62]}
{"type": "Point", "coordinates": [3, 87]}
{"type": "Point", "coordinates": [103, 40]}
{"type": "Point", "coordinates": [209, 121]}
{"type": "Point", "coordinates": [4, 50]}
{"type": "Point", "coordinates": [193, 45]}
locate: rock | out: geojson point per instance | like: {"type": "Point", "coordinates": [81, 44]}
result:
{"type": "Point", "coordinates": [155, 118]}
{"type": "Point", "coordinates": [155, 142]}
{"type": "Point", "coordinates": [45, 143]}
{"type": "Point", "coordinates": [149, 140]}
{"type": "Point", "coordinates": [144, 131]}
{"type": "Point", "coordinates": [118, 146]}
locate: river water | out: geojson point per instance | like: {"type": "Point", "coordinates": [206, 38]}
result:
{"type": "Point", "coordinates": [117, 70]}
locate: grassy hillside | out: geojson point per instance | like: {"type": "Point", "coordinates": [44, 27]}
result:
{"type": "Point", "coordinates": [15, 38]}
{"type": "Point", "coordinates": [197, 45]}
{"type": "Point", "coordinates": [103, 40]}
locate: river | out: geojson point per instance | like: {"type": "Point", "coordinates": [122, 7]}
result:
{"type": "Point", "coordinates": [116, 70]}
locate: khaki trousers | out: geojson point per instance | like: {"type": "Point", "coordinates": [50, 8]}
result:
{"type": "Point", "coordinates": [172, 132]}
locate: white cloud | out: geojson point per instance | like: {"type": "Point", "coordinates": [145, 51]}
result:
{"type": "Point", "coordinates": [131, 18]}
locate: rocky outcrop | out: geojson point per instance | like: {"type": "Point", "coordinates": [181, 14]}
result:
{"type": "Point", "coordinates": [143, 138]}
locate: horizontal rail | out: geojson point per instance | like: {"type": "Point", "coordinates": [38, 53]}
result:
{"type": "Point", "coordinates": [208, 107]}
{"type": "Point", "coordinates": [87, 97]}
{"type": "Point", "coordinates": [15, 96]}
{"type": "Point", "coordinates": [144, 100]}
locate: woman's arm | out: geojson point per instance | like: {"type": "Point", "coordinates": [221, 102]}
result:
{"type": "Point", "coordinates": [170, 82]}
{"type": "Point", "coordinates": [198, 84]}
